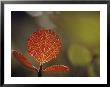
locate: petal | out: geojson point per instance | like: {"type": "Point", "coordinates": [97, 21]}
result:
{"type": "Point", "coordinates": [23, 60]}
{"type": "Point", "coordinates": [57, 68]}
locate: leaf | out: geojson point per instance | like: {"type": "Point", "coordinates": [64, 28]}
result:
{"type": "Point", "coordinates": [44, 45]}
{"type": "Point", "coordinates": [57, 68]}
{"type": "Point", "coordinates": [23, 60]}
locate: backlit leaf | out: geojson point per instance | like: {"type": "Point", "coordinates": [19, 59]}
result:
{"type": "Point", "coordinates": [44, 45]}
{"type": "Point", "coordinates": [57, 68]}
{"type": "Point", "coordinates": [23, 60]}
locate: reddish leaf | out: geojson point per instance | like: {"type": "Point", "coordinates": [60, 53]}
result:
{"type": "Point", "coordinates": [23, 60]}
{"type": "Point", "coordinates": [44, 45]}
{"type": "Point", "coordinates": [57, 68]}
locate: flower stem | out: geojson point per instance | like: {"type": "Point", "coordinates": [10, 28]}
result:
{"type": "Point", "coordinates": [40, 71]}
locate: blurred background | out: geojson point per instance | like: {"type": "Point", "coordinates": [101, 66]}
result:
{"type": "Point", "coordinates": [80, 35]}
